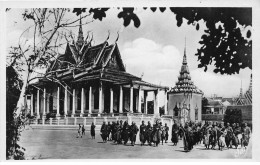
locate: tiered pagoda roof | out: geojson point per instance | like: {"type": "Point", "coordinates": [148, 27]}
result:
{"type": "Point", "coordinates": [245, 99]}
{"type": "Point", "coordinates": [84, 62]}
{"type": "Point", "coordinates": [184, 83]}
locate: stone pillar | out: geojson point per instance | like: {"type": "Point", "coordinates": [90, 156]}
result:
{"type": "Point", "coordinates": [66, 101]}
{"type": "Point", "coordinates": [73, 103]}
{"type": "Point", "coordinates": [145, 102]}
{"type": "Point", "coordinates": [82, 102]}
{"type": "Point", "coordinates": [38, 104]}
{"type": "Point", "coordinates": [139, 101]}
{"type": "Point", "coordinates": [90, 101]}
{"type": "Point", "coordinates": [111, 100]}
{"type": "Point", "coordinates": [131, 99]}
{"type": "Point", "coordinates": [58, 102]}
{"type": "Point", "coordinates": [165, 103]}
{"type": "Point", "coordinates": [156, 106]}
{"type": "Point", "coordinates": [31, 104]}
{"type": "Point", "coordinates": [44, 102]}
{"type": "Point", "coordinates": [100, 109]}
{"type": "Point", "coordinates": [121, 100]}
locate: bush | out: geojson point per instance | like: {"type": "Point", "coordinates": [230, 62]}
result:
{"type": "Point", "coordinates": [233, 116]}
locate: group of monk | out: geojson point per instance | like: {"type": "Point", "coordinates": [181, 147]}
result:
{"type": "Point", "coordinates": [119, 132]}
{"type": "Point", "coordinates": [211, 134]}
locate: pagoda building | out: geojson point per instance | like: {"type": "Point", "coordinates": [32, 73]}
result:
{"type": "Point", "coordinates": [245, 99]}
{"type": "Point", "coordinates": [90, 80]}
{"type": "Point", "coordinates": [185, 99]}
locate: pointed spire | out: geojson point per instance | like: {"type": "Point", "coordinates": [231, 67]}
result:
{"type": "Point", "coordinates": [241, 91]}
{"type": "Point", "coordinates": [80, 40]}
{"type": "Point", "coordinates": [117, 37]}
{"type": "Point", "coordinates": [184, 56]}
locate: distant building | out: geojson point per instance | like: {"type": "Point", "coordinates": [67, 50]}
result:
{"type": "Point", "coordinates": [244, 103]}
{"type": "Point", "coordinates": [185, 99]}
{"type": "Point", "coordinates": [215, 110]}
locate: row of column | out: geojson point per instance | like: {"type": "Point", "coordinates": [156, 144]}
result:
{"type": "Point", "coordinates": [156, 104]}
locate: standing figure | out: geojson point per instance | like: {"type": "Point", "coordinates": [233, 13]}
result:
{"type": "Point", "coordinates": [166, 132]}
{"type": "Point", "coordinates": [238, 133]}
{"type": "Point", "coordinates": [156, 133]}
{"type": "Point", "coordinates": [113, 131]}
{"type": "Point", "coordinates": [221, 133]}
{"type": "Point", "coordinates": [149, 132]}
{"type": "Point", "coordinates": [79, 131]}
{"type": "Point", "coordinates": [246, 132]}
{"type": "Point", "coordinates": [142, 133]}
{"type": "Point", "coordinates": [213, 137]}
{"type": "Point", "coordinates": [126, 132]}
{"type": "Point", "coordinates": [92, 130]}
{"type": "Point", "coordinates": [175, 133]}
{"type": "Point", "coordinates": [109, 131]}
{"type": "Point", "coordinates": [133, 131]}
{"type": "Point", "coordinates": [229, 136]}
{"type": "Point", "coordinates": [104, 132]}
{"type": "Point", "coordinates": [162, 132]}
{"type": "Point", "coordinates": [83, 130]}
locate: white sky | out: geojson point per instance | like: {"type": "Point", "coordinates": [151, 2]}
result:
{"type": "Point", "coordinates": [155, 49]}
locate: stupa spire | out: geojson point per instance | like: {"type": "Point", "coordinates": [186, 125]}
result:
{"type": "Point", "coordinates": [184, 56]}
{"type": "Point", "coordinates": [80, 40]}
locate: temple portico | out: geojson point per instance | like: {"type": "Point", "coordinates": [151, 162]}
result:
{"type": "Point", "coordinates": [91, 100]}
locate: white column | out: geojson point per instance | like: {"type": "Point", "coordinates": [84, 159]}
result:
{"type": "Point", "coordinates": [111, 100]}
{"type": "Point", "coordinates": [44, 101]}
{"type": "Point", "coordinates": [121, 100]}
{"type": "Point", "coordinates": [165, 103]}
{"type": "Point", "coordinates": [58, 102]}
{"type": "Point", "coordinates": [31, 104]}
{"type": "Point", "coordinates": [100, 110]}
{"type": "Point", "coordinates": [156, 107]}
{"type": "Point", "coordinates": [66, 101]}
{"type": "Point", "coordinates": [145, 102]}
{"type": "Point", "coordinates": [73, 103]}
{"type": "Point", "coordinates": [139, 101]}
{"type": "Point", "coordinates": [90, 101]}
{"type": "Point", "coordinates": [38, 103]}
{"type": "Point", "coordinates": [131, 99]}
{"type": "Point", "coordinates": [82, 102]}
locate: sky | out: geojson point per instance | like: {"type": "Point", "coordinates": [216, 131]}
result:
{"type": "Point", "coordinates": [154, 50]}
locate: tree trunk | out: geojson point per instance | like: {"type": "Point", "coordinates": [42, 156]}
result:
{"type": "Point", "coordinates": [21, 102]}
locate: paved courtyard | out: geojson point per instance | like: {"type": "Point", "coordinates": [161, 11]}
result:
{"type": "Point", "coordinates": [63, 144]}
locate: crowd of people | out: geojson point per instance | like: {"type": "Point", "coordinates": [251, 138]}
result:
{"type": "Point", "coordinates": [210, 134]}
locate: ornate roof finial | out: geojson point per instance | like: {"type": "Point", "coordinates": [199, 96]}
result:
{"type": "Point", "coordinates": [80, 40]}
{"type": "Point", "coordinates": [117, 37]}
{"type": "Point", "coordinates": [184, 56]}
{"type": "Point", "coordinates": [108, 35]}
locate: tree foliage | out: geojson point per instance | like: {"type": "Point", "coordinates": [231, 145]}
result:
{"type": "Point", "coordinates": [222, 43]}
{"type": "Point", "coordinates": [205, 102]}
{"type": "Point", "coordinates": [13, 126]}
{"type": "Point", "coordinates": [233, 116]}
